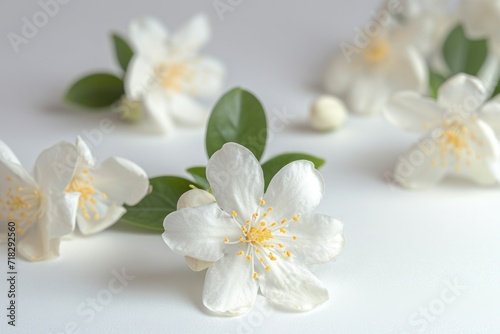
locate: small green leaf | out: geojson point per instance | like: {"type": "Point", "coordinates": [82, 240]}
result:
{"type": "Point", "coordinates": [96, 91]}
{"type": "Point", "coordinates": [152, 210]}
{"type": "Point", "coordinates": [200, 176]}
{"type": "Point", "coordinates": [435, 81]}
{"type": "Point", "coordinates": [273, 166]}
{"type": "Point", "coordinates": [123, 51]}
{"type": "Point", "coordinates": [463, 55]}
{"type": "Point", "coordinates": [238, 117]}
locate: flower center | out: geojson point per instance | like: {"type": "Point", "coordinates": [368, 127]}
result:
{"type": "Point", "coordinates": [175, 77]}
{"type": "Point", "coordinates": [261, 237]}
{"type": "Point", "coordinates": [456, 140]}
{"type": "Point", "coordinates": [87, 202]}
{"type": "Point", "coordinates": [21, 204]}
{"type": "Point", "coordinates": [377, 51]}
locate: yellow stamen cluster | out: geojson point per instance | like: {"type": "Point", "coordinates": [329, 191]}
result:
{"type": "Point", "coordinates": [377, 51]}
{"type": "Point", "coordinates": [87, 202]}
{"type": "Point", "coordinates": [21, 205]}
{"type": "Point", "coordinates": [258, 235]}
{"type": "Point", "coordinates": [177, 77]}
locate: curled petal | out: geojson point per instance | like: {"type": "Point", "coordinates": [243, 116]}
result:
{"type": "Point", "coordinates": [462, 93]}
{"type": "Point", "coordinates": [192, 36]}
{"type": "Point", "coordinates": [149, 38]}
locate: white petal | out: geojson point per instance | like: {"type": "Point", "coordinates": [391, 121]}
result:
{"type": "Point", "coordinates": [408, 70]}
{"type": "Point", "coordinates": [412, 112]}
{"type": "Point", "coordinates": [339, 75]}
{"type": "Point", "coordinates": [108, 215]}
{"type": "Point", "coordinates": [149, 38]}
{"type": "Point", "coordinates": [462, 92]}
{"type": "Point", "coordinates": [192, 35]}
{"type": "Point", "coordinates": [158, 107]}
{"type": "Point", "coordinates": [187, 111]}
{"type": "Point", "coordinates": [207, 78]}
{"type": "Point", "coordinates": [421, 166]}
{"type": "Point", "coordinates": [60, 213]}
{"type": "Point", "coordinates": [480, 17]}
{"type": "Point", "coordinates": [121, 180]}
{"type": "Point", "coordinates": [236, 179]}
{"type": "Point", "coordinates": [490, 113]}
{"type": "Point", "coordinates": [319, 239]}
{"type": "Point", "coordinates": [292, 286]}
{"type": "Point", "coordinates": [489, 72]}
{"type": "Point", "coordinates": [85, 157]}
{"type": "Point", "coordinates": [140, 78]}
{"type": "Point", "coordinates": [200, 232]}
{"type": "Point", "coordinates": [6, 154]}
{"type": "Point", "coordinates": [229, 286]}
{"type": "Point", "coordinates": [14, 175]}
{"type": "Point", "coordinates": [55, 167]}
{"type": "Point", "coordinates": [296, 189]}
{"type": "Point", "coordinates": [197, 265]}
{"type": "Point", "coordinates": [368, 94]}
{"type": "Point", "coordinates": [36, 244]}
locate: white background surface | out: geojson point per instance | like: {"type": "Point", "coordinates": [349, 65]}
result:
{"type": "Point", "coordinates": [401, 246]}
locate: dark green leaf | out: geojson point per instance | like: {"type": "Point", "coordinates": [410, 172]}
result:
{"type": "Point", "coordinates": [435, 81]}
{"type": "Point", "coordinates": [200, 176]}
{"type": "Point", "coordinates": [238, 117]}
{"type": "Point", "coordinates": [123, 51]}
{"type": "Point", "coordinates": [96, 91]}
{"type": "Point", "coordinates": [152, 210]}
{"type": "Point", "coordinates": [273, 166]}
{"type": "Point", "coordinates": [463, 55]}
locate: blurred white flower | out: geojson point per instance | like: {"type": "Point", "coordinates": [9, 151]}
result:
{"type": "Point", "coordinates": [365, 76]}
{"type": "Point", "coordinates": [460, 133]}
{"type": "Point", "coordinates": [481, 21]}
{"type": "Point", "coordinates": [166, 73]}
{"type": "Point", "coordinates": [257, 240]}
{"type": "Point", "coordinates": [104, 189]}
{"type": "Point", "coordinates": [40, 208]}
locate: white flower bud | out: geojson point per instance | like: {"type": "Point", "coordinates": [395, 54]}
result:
{"type": "Point", "coordinates": [192, 199]}
{"type": "Point", "coordinates": [195, 198]}
{"type": "Point", "coordinates": [328, 113]}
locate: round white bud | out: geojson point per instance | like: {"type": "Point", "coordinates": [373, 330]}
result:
{"type": "Point", "coordinates": [328, 113]}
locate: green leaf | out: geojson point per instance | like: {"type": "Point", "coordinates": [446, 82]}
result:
{"type": "Point", "coordinates": [123, 51]}
{"type": "Point", "coordinates": [200, 176]}
{"type": "Point", "coordinates": [96, 91]}
{"type": "Point", "coordinates": [273, 166]}
{"type": "Point", "coordinates": [435, 81]}
{"type": "Point", "coordinates": [238, 117]}
{"type": "Point", "coordinates": [152, 210]}
{"type": "Point", "coordinates": [463, 55]}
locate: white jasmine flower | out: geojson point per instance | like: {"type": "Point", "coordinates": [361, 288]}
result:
{"type": "Point", "coordinates": [167, 73]}
{"type": "Point", "coordinates": [104, 189]}
{"type": "Point", "coordinates": [257, 240]}
{"type": "Point", "coordinates": [480, 20]}
{"type": "Point", "coordinates": [193, 199]}
{"type": "Point", "coordinates": [460, 133]}
{"type": "Point", "coordinates": [368, 72]}
{"type": "Point", "coordinates": [40, 208]}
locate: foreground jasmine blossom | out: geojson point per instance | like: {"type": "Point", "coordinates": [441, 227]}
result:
{"type": "Point", "coordinates": [167, 73]}
{"type": "Point", "coordinates": [460, 136]}
{"type": "Point", "coordinates": [257, 240]}
{"type": "Point", "coordinates": [365, 75]}
{"type": "Point", "coordinates": [104, 189]}
{"type": "Point", "coordinates": [40, 208]}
